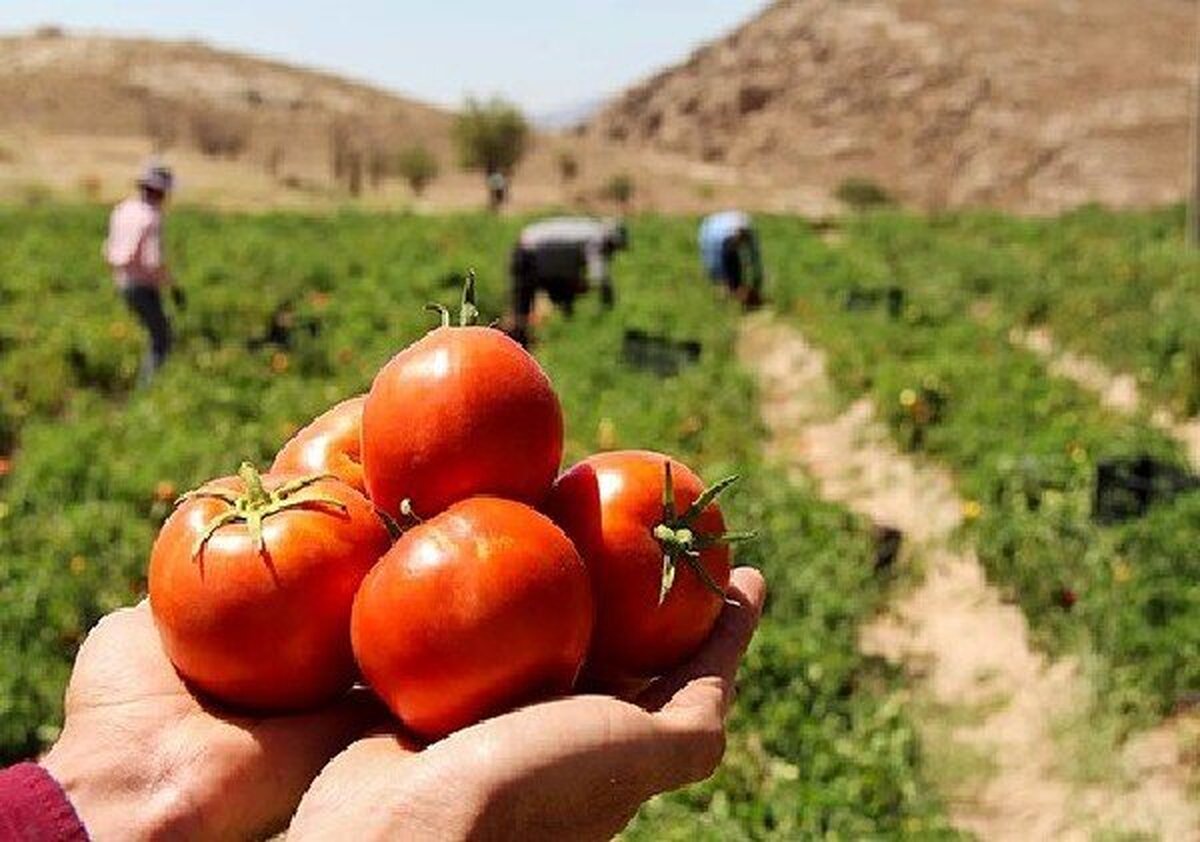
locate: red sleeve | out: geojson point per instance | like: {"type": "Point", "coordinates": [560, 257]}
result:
{"type": "Point", "coordinates": [34, 808]}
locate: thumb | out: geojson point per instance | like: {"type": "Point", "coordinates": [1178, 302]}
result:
{"type": "Point", "coordinates": [705, 684]}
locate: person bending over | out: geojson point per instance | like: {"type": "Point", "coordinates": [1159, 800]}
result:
{"type": "Point", "coordinates": [730, 254]}
{"type": "Point", "coordinates": [564, 256]}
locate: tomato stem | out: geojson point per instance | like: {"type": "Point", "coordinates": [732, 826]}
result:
{"type": "Point", "coordinates": [679, 540]}
{"type": "Point", "coordinates": [255, 504]}
{"type": "Point", "coordinates": [406, 510]}
{"type": "Point", "coordinates": [468, 312]}
{"type": "Point", "coordinates": [468, 315]}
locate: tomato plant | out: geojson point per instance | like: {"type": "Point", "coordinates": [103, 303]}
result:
{"type": "Point", "coordinates": [479, 609]}
{"type": "Point", "coordinates": [251, 584]}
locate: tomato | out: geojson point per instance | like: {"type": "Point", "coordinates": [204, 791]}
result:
{"type": "Point", "coordinates": [328, 445]}
{"type": "Point", "coordinates": [464, 411]}
{"type": "Point", "coordinates": [658, 571]}
{"type": "Point", "coordinates": [482, 608]}
{"type": "Point", "coordinates": [251, 584]}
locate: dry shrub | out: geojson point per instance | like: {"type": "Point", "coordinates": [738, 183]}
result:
{"type": "Point", "coordinates": [162, 127]}
{"type": "Point", "coordinates": [619, 188]}
{"type": "Point", "coordinates": [220, 134]}
{"type": "Point", "coordinates": [91, 186]}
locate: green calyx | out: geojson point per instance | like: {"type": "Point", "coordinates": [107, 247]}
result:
{"type": "Point", "coordinates": [679, 540]}
{"type": "Point", "coordinates": [468, 313]}
{"type": "Point", "coordinates": [256, 504]}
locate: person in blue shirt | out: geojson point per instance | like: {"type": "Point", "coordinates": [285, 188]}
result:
{"type": "Point", "coordinates": [729, 252]}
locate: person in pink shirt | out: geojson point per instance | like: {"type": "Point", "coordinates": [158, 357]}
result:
{"type": "Point", "coordinates": [134, 250]}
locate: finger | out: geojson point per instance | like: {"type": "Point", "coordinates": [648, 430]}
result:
{"type": "Point", "coordinates": [705, 684]}
{"type": "Point", "coordinates": [122, 660]}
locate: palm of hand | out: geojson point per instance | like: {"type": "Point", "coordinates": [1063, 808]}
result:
{"type": "Point", "coordinates": [182, 766]}
{"type": "Point", "coordinates": [574, 768]}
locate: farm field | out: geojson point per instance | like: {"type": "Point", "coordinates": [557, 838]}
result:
{"type": "Point", "coordinates": [287, 313]}
{"type": "Point", "coordinates": [1023, 444]}
{"type": "Point", "coordinates": [820, 743]}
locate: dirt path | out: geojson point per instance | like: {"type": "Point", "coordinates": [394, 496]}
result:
{"type": "Point", "coordinates": [996, 715]}
{"type": "Point", "coordinates": [1116, 391]}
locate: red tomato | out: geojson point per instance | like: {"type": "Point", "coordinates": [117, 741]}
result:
{"type": "Point", "coordinates": [480, 609]}
{"type": "Point", "coordinates": [251, 584]}
{"type": "Point", "coordinates": [464, 411]}
{"type": "Point", "coordinates": [655, 603]}
{"type": "Point", "coordinates": [328, 445]}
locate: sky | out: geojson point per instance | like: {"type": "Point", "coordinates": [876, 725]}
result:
{"type": "Point", "coordinates": [545, 55]}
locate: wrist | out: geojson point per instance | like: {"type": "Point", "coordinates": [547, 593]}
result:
{"type": "Point", "coordinates": [118, 796]}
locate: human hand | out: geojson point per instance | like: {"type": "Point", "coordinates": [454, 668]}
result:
{"type": "Point", "coordinates": [574, 768]}
{"type": "Point", "coordinates": [140, 757]}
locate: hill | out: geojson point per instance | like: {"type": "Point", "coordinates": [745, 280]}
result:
{"type": "Point", "coordinates": [80, 112]}
{"type": "Point", "coordinates": [69, 102]}
{"type": "Point", "coordinates": [1034, 105]}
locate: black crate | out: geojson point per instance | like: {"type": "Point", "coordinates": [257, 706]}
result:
{"type": "Point", "coordinates": [1126, 488]}
{"type": "Point", "coordinates": [658, 354]}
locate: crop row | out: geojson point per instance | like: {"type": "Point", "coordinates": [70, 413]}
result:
{"type": "Point", "coordinates": [907, 316]}
{"type": "Point", "coordinates": [1123, 287]}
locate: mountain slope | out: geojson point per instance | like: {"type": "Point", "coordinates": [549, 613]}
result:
{"type": "Point", "coordinates": [185, 95]}
{"type": "Point", "coordinates": [1028, 104]}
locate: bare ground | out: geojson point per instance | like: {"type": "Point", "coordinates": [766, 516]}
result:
{"type": "Point", "coordinates": [1001, 722]}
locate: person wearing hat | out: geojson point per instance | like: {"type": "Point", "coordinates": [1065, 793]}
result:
{"type": "Point", "coordinates": [134, 250]}
{"type": "Point", "coordinates": [729, 252]}
{"type": "Point", "coordinates": [564, 256]}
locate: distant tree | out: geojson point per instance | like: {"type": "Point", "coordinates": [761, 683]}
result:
{"type": "Point", "coordinates": [620, 189]}
{"type": "Point", "coordinates": [491, 136]}
{"type": "Point", "coordinates": [417, 166]}
{"type": "Point", "coordinates": [273, 161]}
{"type": "Point", "coordinates": [380, 167]}
{"type": "Point", "coordinates": [568, 167]}
{"type": "Point", "coordinates": [354, 172]}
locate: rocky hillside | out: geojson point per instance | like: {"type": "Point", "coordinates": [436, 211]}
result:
{"type": "Point", "coordinates": [1033, 105]}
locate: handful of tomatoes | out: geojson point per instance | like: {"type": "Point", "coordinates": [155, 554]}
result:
{"type": "Point", "coordinates": [417, 536]}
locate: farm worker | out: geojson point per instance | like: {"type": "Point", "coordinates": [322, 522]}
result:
{"type": "Point", "coordinates": [564, 256]}
{"type": "Point", "coordinates": [729, 251]}
{"type": "Point", "coordinates": [134, 250]}
{"type": "Point", "coordinates": [497, 187]}
{"type": "Point", "coordinates": [140, 757]}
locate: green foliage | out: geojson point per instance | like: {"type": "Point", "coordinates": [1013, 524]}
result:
{"type": "Point", "coordinates": [819, 745]}
{"type": "Point", "coordinates": [862, 193]}
{"type": "Point", "coordinates": [1120, 286]}
{"type": "Point", "coordinates": [418, 167]}
{"type": "Point", "coordinates": [1024, 444]}
{"type": "Point", "coordinates": [491, 135]}
{"type": "Point", "coordinates": [619, 188]}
